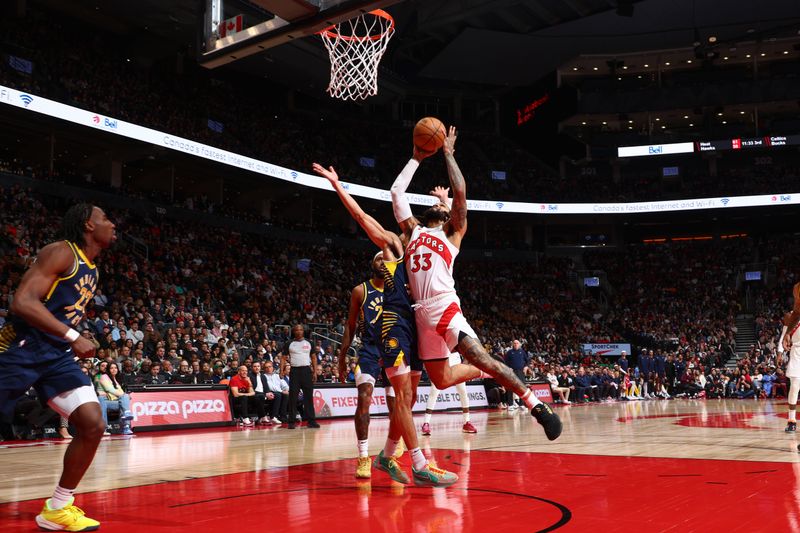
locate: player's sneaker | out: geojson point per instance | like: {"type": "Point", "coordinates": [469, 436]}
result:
{"type": "Point", "coordinates": [468, 428]}
{"type": "Point", "coordinates": [426, 429]}
{"type": "Point", "coordinates": [432, 476]}
{"type": "Point", "coordinates": [70, 518]}
{"type": "Point", "coordinates": [791, 427]}
{"type": "Point", "coordinates": [398, 453]}
{"type": "Point", "coordinates": [548, 419]}
{"type": "Point", "coordinates": [391, 467]}
{"type": "Point", "coordinates": [363, 468]}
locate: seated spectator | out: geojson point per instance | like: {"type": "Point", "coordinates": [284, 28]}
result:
{"type": "Point", "coordinates": [204, 376]}
{"type": "Point", "coordinates": [280, 391]}
{"type": "Point", "coordinates": [155, 377]}
{"type": "Point", "coordinates": [262, 393]}
{"type": "Point", "coordinates": [562, 392]}
{"type": "Point", "coordinates": [111, 396]}
{"type": "Point", "coordinates": [242, 390]}
{"type": "Point", "coordinates": [184, 375]}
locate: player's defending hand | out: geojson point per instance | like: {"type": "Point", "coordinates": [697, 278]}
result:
{"type": "Point", "coordinates": [449, 146]}
{"type": "Point", "coordinates": [441, 193]}
{"type": "Point", "coordinates": [83, 347]}
{"type": "Point", "coordinates": [327, 173]}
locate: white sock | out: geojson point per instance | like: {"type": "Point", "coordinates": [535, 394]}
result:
{"type": "Point", "coordinates": [792, 415]}
{"type": "Point", "coordinates": [433, 395]}
{"type": "Point", "coordinates": [418, 458]}
{"type": "Point", "coordinates": [389, 448]}
{"type": "Point", "coordinates": [428, 417]}
{"type": "Point", "coordinates": [363, 448]}
{"type": "Point", "coordinates": [466, 416]}
{"type": "Point", "coordinates": [461, 388]}
{"type": "Point", "coordinates": [530, 399]}
{"type": "Point", "coordinates": [61, 497]}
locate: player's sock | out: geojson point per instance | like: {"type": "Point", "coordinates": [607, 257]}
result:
{"type": "Point", "coordinates": [61, 498]}
{"type": "Point", "coordinates": [461, 388]}
{"type": "Point", "coordinates": [792, 415]}
{"type": "Point", "coordinates": [428, 417]}
{"type": "Point", "coordinates": [363, 448]}
{"type": "Point", "coordinates": [418, 458]}
{"type": "Point", "coordinates": [389, 448]}
{"type": "Point", "coordinates": [530, 399]}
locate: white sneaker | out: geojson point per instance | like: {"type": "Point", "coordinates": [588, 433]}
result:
{"type": "Point", "coordinates": [265, 421]}
{"type": "Point", "coordinates": [298, 418]}
{"type": "Point", "coordinates": [512, 407]}
{"type": "Point", "coordinates": [247, 422]}
{"type": "Point", "coordinates": [276, 420]}
{"type": "Point", "coordinates": [567, 402]}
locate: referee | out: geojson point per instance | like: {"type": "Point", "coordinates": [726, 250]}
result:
{"type": "Point", "coordinates": [302, 375]}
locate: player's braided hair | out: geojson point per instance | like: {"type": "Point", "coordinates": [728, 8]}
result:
{"type": "Point", "coordinates": [73, 226]}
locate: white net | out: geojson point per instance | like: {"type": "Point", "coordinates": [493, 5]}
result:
{"type": "Point", "coordinates": [356, 47]}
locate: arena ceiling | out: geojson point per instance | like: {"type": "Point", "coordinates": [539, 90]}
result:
{"type": "Point", "coordinates": [466, 45]}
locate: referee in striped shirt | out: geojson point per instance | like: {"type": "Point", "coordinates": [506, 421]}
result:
{"type": "Point", "coordinates": [303, 358]}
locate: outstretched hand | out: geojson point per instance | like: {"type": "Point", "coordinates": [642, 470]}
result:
{"type": "Point", "coordinates": [420, 154]}
{"type": "Point", "coordinates": [441, 193]}
{"type": "Point", "coordinates": [450, 141]}
{"type": "Point", "coordinates": [327, 173]}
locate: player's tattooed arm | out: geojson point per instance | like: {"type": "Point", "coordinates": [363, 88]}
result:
{"type": "Point", "coordinates": [458, 212]}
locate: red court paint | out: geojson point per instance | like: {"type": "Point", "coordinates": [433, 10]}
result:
{"type": "Point", "coordinates": [498, 491]}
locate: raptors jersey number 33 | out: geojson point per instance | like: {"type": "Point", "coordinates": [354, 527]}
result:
{"type": "Point", "coordinates": [429, 262]}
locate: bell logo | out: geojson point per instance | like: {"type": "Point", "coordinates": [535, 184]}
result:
{"type": "Point", "coordinates": [655, 150]}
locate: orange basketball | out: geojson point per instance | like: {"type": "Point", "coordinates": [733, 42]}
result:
{"type": "Point", "coordinates": [429, 134]}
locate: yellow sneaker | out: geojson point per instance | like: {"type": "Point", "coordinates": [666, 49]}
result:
{"type": "Point", "coordinates": [398, 453]}
{"type": "Point", "coordinates": [364, 468]}
{"type": "Point", "coordinates": [70, 518]}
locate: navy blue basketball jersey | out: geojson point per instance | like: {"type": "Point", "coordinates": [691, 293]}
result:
{"type": "Point", "coordinates": [370, 315]}
{"type": "Point", "coordinates": [396, 299]}
{"type": "Point", "coordinates": [67, 300]}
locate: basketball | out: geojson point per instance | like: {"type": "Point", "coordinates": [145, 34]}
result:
{"type": "Point", "coordinates": [429, 134]}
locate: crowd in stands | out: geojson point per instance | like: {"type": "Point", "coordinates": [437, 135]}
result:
{"type": "Point", "coordinates": [208, 302]}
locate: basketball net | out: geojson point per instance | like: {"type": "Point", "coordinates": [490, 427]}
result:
{"type": "Point", "coordinates": [356, 47]}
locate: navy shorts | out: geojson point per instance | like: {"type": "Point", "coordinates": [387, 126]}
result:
{"type": "Point", "coordinates": [398, 335]}
{"type": "Point", "coordinates": [49, 378]}
{"type": "Point", "coordinates": [369, 361]}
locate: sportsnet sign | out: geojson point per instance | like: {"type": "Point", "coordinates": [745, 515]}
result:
{"type": "Point", "coordinates": [606, 349]}
{"type": "Point", "coordinates": [170, 408]}
{"type": "Point", "coordinates": [342, 401]}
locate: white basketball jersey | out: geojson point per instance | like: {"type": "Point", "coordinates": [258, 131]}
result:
{"type": "Point", "coordinates": [429, 262]}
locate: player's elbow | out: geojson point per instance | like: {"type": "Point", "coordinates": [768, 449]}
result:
{"type": "Point", "coordinates": [19, 306]}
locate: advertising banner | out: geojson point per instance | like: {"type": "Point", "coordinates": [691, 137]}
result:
{"type": "Point", "coordinates": [336, 401]}
{"type": "Point", "coordinates": [542, 391]}
{"type": "Point", "coordinates": [607, 349]}
{"type": "Point", "coordinates": [176, 407]}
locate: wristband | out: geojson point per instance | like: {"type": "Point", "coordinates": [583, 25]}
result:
{"type": "Point", "coordinates": [71, 335]}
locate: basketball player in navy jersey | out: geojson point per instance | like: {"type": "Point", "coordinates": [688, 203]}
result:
{"type": "Point", "coordinates": [399, 349]}
{"type": "Point", "coordinates": [39, 344]}
{"type": "Point", "coordinates": [433, 245]}
{"type": "Point", "coordinates": [366, 309]}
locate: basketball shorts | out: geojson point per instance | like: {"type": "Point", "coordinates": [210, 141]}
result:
{"type": "Point", "coordinates": [49, 378]}
{"type": "Point", "coordinates": [793, 368]}
{"type": "Point", "coordinates": [369, 366]}
{"type": "Point", "coordinates": [398, 336]}
{"type": "Point", "coordinates": [440, 322]}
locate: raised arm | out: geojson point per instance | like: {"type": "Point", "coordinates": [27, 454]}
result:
{"type": "Point", "coordinates": [375, 232]}
{"type": "Point", "coordinates": [400, 205]}
{"type": "Point", "coordinates": [458, 212]}
{"type": "Point", "coordinates": [356, 298]}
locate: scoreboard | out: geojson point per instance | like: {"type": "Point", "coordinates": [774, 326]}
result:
{"type": "Point", "coordinates": [738, 143]}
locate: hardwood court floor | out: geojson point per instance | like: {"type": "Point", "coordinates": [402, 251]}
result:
{"type": "Point", "coordinates": [681, 465]}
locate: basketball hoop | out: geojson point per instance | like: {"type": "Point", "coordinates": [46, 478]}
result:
{"type": "Point", "coordinates": [356, 47]}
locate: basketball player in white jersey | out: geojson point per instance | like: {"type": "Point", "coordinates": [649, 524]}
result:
{"type": "Point", "coordinates": [433, 246]}
{"type": "Point", "coordinates": [791, 343]}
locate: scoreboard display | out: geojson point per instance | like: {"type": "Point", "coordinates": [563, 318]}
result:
{"type": "Point", "coordinates": [738, 143]}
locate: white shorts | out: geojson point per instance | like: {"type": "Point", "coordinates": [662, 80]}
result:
{"type": "Point", "coordinates": [439, 324]}
{"type": "Point", "coordinates": [793, 368]}
{"type": "Point", "coordinates": [66, 402]}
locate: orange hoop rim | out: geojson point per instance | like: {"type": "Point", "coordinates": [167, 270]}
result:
{"type": "Point", "coordinates": [378, 13]}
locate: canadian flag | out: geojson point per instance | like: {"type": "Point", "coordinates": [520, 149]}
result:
{"type": "Point", "coordinates": [230, 26]}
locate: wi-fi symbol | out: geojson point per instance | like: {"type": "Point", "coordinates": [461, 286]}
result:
{"type": "Point", "coordinates": [499, 205]}
{"type": "Point", "coordinates": [294, 175]}
{"type": "Point", "coordinates": [26, 99]}
{"type": "Point", "coordinates": [725, 201]}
